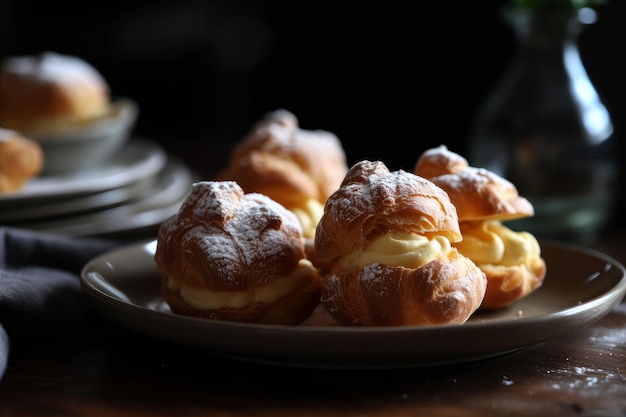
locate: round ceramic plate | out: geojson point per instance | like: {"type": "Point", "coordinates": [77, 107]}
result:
{"type": "Point", "coordinates": [146, 210]}
{"type": "Point", "coordinates": [581, 287]}
{"type": "Point", "coordinates": [138, 159]}
{"type": "Point", "coordinates": [77, 205]}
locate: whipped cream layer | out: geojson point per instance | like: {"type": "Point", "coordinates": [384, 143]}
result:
{"type": "Point", "coordinates": [202, 299]}
{"type": "Point", "coordinates": [399, 249]}
{"type": "Point", "coordinates": [309, 215]}
{"type": "Point", "coordinates": [490, 242]}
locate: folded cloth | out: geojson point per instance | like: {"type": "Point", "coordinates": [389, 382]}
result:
{"type": "Point", "coordinates": [40, 290]}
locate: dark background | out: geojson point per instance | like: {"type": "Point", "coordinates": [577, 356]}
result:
{"type": "Point", "coordinates": [391, 80]}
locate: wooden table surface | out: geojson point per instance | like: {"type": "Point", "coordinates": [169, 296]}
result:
{"type": "Point", "coordinates": [108, 370]}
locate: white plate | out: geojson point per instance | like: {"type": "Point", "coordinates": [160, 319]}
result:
{"type": "Point", "coordinates": [146, 211]}
{"type": "Point", "coordinates": [138, 159]}
{"type": "Point", "coordinates": [77, 205]}
{"type": "Point", "coordinates": [581, 287]}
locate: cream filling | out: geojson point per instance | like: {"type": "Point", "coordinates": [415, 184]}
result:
{"type": "Point", "coordinates": [214, 300]}
{"type": "Point", "coordinates": [398, 249]}
{"type": "Point", "coordinates": [309, 215]}
{"type": "Point", "coordinates": [490, 242]}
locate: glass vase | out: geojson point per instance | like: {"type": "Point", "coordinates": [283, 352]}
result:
{"type": "Point", "coordinates": [545, 128]}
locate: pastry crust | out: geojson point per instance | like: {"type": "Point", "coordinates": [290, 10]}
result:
{"type": "Point", "coordinates": [49, 92]}
{"type": "Point", "coordinates": [511, 260]}
{"type": "Point", "coordinates": [387, 238]}
{"type": "Point", "coordinates": [476, 192]}
{"type": "Point", "coordinates": [298, 168]}
{"type": "Point", "coordinates": [21, 159]}
{"type": "Point", "coordinates": [508, 284]}
{"type": "Point", "coordinates": [445, 291]}
{"type": "Point", "coordinates": [372, 201]}
{"type": "Point", "coordinates": [232, 256]}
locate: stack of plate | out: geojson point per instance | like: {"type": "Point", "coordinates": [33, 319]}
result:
{"type": "Point", "coordinates": [137, 190]}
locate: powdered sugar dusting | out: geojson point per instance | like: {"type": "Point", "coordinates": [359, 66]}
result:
{"type": "Point", "coordinates": [54, 67]}
{"type": "Point", "coordinates": [372, 200]}
{"type": "Point", "coordinates": [477, 193]}
{"type": "Point", "coordinates": [439, 161]}
{"type": "Point", "coordinates": [7, 135]}
{"type": "Point", "coordinates": [233, 231]}
{"type": "Point", "coordinates": [373, 187]}
{"type": "Point", "coordinates": [471, 178]}
{"type": "Point", "coordinates": [278, 158]}
{"type": "Point", "coordinates": [371, 272]}
{"type": "Point", "coordinates": [376, 187]}
{"type": "Point", "coordinates": [279, 133]}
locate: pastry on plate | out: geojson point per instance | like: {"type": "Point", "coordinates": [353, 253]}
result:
{"type": "Point", "coordinates": [21, 159]}
{"type": "Point", "coordinates": [232, 256]}
{"type": "Point", "coordinates": [49, 92]}
{"type": "Point", "coordinates": [296, 167]}
{"type": "Point", "coordinates": [65, 104]}
{"type": "Point", "coordinates": [388, 239]}
{"type": "Point", "coordinates": [510, 259]}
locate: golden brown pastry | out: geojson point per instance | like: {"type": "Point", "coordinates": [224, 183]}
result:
{"type": "Point", "coordinates": [21, 159]}
{"type": "Point", "coordinates": [232, 256]}
{"type": "Point", "coordinates": [298, 168]}
{"type": "Point", "coordinates": [49, 92]}
{"type": "Point", "coordinates": [511, 260]}
{"type": "Point", "coordinates": [387, 237]}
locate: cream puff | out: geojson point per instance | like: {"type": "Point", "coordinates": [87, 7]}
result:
{"type": "Point", "coordinates": [510, 259]}
{"type": "Point", "coordinates": [50, 92]}
{"type": "Point", "coordinates": [232, 256]}
{"type": "Point", "coordinates": [296, 167]}
{"type": "Point", "coordinates": [21, 159]}
{"type": "Point", "coordinates": [388, 239]}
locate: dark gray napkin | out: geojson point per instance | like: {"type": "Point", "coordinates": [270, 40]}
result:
{"type": "Point", "coordinates": [40, 290]}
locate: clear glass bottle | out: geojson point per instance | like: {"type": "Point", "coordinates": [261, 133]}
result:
{"type": "Point", "coordinates": [545, 129]}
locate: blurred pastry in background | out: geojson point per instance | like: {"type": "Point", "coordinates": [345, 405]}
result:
{"type": "Point", "coordinates": [21, 159]}
{"type": "Point", "coordinates": [298, 168]}
{"type": "Point", "coordinates": [510, 259]}
{"type": "Point", "coordinates": [49, 92]}
{"type": "Point", "coordinates": [65, 104]}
